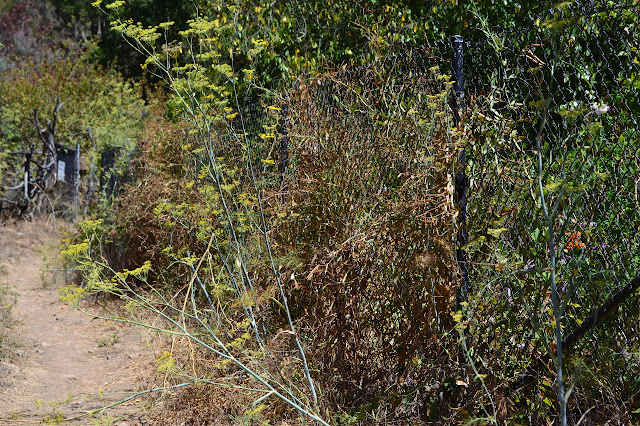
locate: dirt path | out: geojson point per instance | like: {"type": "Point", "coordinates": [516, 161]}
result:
{"type": "Point", "coordinates": [60, 359]}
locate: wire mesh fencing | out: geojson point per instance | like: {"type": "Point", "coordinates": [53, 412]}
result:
{"type": "Point", "coordinates": [506, 169]}
{"type": "Point", "coordinates": [371, 155]}
{"type": "Point", "coordinates": [554, 159]}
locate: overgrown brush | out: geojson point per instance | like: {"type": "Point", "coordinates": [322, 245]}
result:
{"type": "Point", "coordinates": [361, 259]}
{"type": "Point", "coordinates": [350, 258]}
{"type": "Point", "coordinates": [68, 101]}
{"type": "Point", "coordinates": [368, 220]}
{"type": "Point", "coordinates": [206, 218]}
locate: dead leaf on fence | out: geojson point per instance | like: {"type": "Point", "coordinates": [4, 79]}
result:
{"type": "Point", "coordinates": [500, 265]}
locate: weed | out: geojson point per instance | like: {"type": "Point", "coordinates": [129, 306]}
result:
{"type": "Point", "coordinates": [104, 420]}
{"type": "Point", "coordinates": [109, 341]}
{"type": "Point", "coordinates": [56, 417]}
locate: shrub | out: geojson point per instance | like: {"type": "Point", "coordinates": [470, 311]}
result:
{"type": "Point", "coordinates": [369, 218]}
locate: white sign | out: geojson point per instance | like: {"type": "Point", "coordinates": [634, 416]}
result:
{"type": "Point", "coordinates": [61, 168]}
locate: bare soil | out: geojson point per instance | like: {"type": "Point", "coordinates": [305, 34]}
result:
{"type": "Point", "coordinates": [61, 364]}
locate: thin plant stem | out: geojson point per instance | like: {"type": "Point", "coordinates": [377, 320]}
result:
{"type": "Point", "coordinates": [557, 315]}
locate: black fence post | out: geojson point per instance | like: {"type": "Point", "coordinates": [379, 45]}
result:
{"type": "Point", "coordinates": [457, 44]}
{"type": "Point", "coordinates": [461, 181]}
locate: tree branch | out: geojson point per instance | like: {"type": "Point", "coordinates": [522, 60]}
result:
{"type": "Point", "coordinates": [591, 321]}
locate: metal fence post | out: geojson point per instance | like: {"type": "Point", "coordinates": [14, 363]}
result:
{"type": "Point", "coordinates": [457, 44]}
{"type": "Point", "coordinates": [27, 173]}
{"type": "Point", "coordinates": [461, 182]}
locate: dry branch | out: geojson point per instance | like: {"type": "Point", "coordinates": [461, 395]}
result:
{"type": "Point", "coordinates": [593, 319]}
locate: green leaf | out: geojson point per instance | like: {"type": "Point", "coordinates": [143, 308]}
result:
{"type": "Point", "coordinates": [496, 232]}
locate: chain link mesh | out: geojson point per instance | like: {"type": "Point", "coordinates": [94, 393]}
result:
{"type": "Point", "coordinates": [551, 107]}
{"type": "Point", "coordinates": [556, 107]}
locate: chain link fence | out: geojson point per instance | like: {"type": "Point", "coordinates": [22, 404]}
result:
{"type": "Point", "coordinates": [539, 150]}
{"type": "Point", "coordinates": [553, 109]}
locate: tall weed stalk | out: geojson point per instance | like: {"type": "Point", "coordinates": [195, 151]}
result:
{"type": "Point", "coordinates": [219, 308]}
